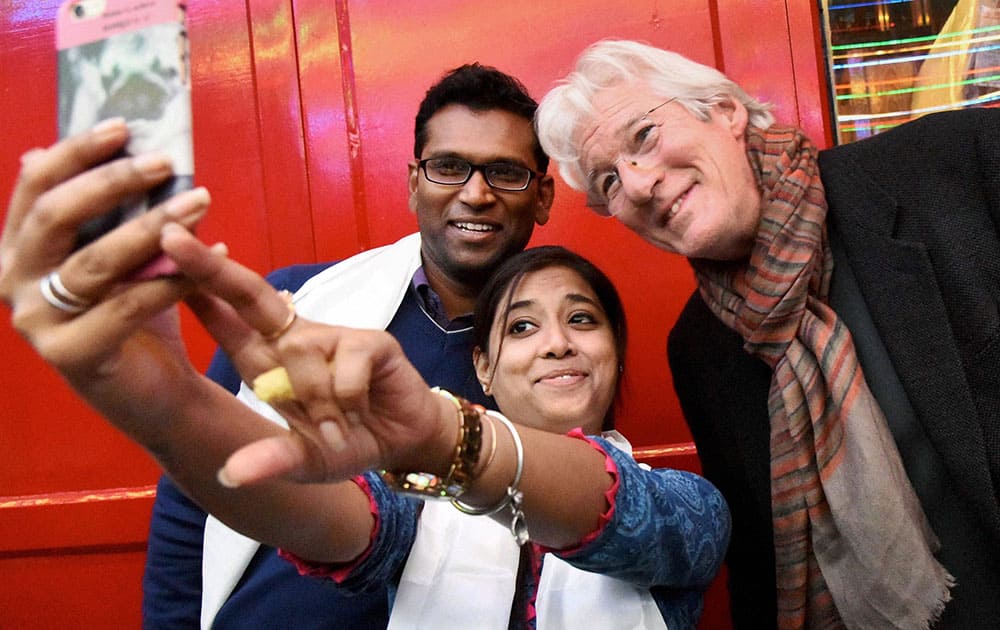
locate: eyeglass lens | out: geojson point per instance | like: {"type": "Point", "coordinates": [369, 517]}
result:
{"type": "Point", "coordinates": [637, 149]}
{"type": "Point", "coordinates": [499, 175]}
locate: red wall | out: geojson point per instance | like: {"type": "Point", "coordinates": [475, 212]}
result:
{"type": "Point", "coordinates": [303, 128]}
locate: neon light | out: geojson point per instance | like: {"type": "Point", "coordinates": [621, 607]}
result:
{"type": "Point", "coordinates": [974, 102]}
{"type": "Point", "coordinates": [859, 5]}
{"type": "Point", "coordinates": [886, 62]}
{"type": "Point", "coordinates": [936, 86]}
{"type": "Point", "coordinates": [924, 38]}
{"type": "Point", "coordinates": [968, 42]}
{"type": "Point", "coordinates": [905, 118]}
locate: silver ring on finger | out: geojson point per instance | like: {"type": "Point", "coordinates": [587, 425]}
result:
{"type": "Point", "coordinates": [58, 296]}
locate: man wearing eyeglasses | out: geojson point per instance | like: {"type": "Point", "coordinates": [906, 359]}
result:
{"type": "Point", "coordinates": [478, 187]}
{"type": "Point", "coordinates": [838, 362]}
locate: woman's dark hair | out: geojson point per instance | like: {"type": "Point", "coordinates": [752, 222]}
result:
{"type": "Point", "coordinates": [497, 294]}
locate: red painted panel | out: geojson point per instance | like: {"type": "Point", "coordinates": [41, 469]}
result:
{"type": "Point", "coordinates": [303, 115]}
{"type": "Point", "coordinates": [41, 524]}
{"type": "Point", "coordinates": [227, 128]}
{"type": "Point", "coordinates": [332, 137]}
{"type": "Point", "coordinates": [57, 441]}
{"type": "Point", "coordinates": [89, 589]}
{"type": "Point", "coordinates": [810, 71]}
{"type": "Point", "coordinates": [48, 439]}
{"type": "Point", "coordinates": [772, 48]}
{"type": "Point", "coordinates": [279, 123]}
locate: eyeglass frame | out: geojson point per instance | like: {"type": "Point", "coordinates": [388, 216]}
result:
{"type": "Point", "coordinates": [479, 168]}
{"type": "Point", "coordinates": [602, 208]}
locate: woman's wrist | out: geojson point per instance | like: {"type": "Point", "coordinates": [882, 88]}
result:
{"type": "Point", "coordinates": [446, 465]}
{"type": "Point", "coordinates": [497, 488]}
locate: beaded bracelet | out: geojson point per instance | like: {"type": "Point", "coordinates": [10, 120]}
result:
{"type": "Point", "coordinates": [512, 497]}
{"type": "Point", "coordinates": [463, 463]}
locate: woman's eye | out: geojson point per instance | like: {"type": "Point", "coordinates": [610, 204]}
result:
{"type": "Point", "coordinates": [582, 318]}
{"type": "Point", "coordinates": [519, 327]}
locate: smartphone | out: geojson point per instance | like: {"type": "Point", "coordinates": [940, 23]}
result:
{"type": "Point", "coordinates": [128, 58]}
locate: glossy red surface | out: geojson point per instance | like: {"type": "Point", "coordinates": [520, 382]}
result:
{"type": "Point", "coordinates": [303, 113]}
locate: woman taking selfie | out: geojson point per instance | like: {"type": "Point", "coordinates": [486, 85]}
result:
{"type": "Point", "coordinates": [611, 543]}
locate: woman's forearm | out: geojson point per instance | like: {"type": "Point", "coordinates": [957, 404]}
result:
{"type": "Point", "coordinates": [564, 484]}
{"type": "Point", "coordinates": [192, 437]}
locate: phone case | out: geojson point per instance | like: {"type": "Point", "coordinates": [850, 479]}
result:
{"type": "Point", "coordinates": [128, 58]}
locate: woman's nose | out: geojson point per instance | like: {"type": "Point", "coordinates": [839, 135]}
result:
{"type": "Point", "coordinates": [557, 343]}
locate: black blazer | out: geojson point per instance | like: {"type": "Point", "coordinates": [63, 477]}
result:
{"type": "Point", "coordinates": [915, 223]}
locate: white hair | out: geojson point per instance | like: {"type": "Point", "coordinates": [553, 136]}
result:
{"type": "Point", "coordinates": [568, 107]}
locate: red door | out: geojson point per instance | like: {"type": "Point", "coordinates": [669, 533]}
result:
{"type": "Point", "coordinates": [303, 128]}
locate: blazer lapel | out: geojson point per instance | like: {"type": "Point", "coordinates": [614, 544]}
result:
{"type": "Point", "coordinates": [898, 283]}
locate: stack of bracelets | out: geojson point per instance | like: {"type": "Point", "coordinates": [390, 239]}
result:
{"type": "Point", "coordinates": [461, 471]}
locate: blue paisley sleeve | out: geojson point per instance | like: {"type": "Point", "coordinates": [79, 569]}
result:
{"type": "Point", "coordinates": [390, 548]}
{"type": "Point", "coordinates": [669, 528]}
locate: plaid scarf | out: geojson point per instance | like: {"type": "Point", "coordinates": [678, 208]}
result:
{"type": "Point", "coordinates": [852, 545]}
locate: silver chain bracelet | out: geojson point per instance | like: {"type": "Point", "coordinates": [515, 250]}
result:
{"type": "Point", "coordinates": [513, 497]}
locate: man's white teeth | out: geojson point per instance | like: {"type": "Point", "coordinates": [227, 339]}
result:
{"type": "Point", "coordinates": [474, 227]}
{"type": "Point", "coordinates": [677, 206]}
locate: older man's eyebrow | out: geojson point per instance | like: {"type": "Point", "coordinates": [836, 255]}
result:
{"type": "Point", "coordinates": [634, 119]}
{"type": "Point", "coordinates": [618, 132]}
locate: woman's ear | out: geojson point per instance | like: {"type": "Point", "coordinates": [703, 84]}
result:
{"type": "Point", "coordinates": [482, 363]}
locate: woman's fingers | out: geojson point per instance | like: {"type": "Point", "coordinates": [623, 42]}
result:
{"type": "Point", "coordinates": [87, 340]}
{"type": "Point", "coordinates": [46, 211]}
{"type": "Point", "coordinates": [43, 169]}
{"type": "Point", "coordinates": [94, 270]}
{"type": "Point", "coordinates": [256, 301]}
{"type": "Point", "coordinates": [305, 349]}
{"type": "Point", "coordinates": [86, 302]}
{"type": "Point", "coordinates": [257, 327]}
{"type": "Point", "coordinates": [308, 352]}
{"type": "Point", "coordinates": [58, 189]}
{"type": "Point", "coordinates": [271, 458]}
{"type": "Point", "coordinates": [301, 455]}
{"type": "Point", "coordinates": [347, 383]}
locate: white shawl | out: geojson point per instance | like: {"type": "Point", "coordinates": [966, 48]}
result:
{"type": "Point", "coordinates": [462, 570]}
{"type": "Point", "coordinates": [363, 291]}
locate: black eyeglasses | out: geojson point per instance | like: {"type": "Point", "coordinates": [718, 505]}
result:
{"type": "Point", "coordinates": [452, 171]}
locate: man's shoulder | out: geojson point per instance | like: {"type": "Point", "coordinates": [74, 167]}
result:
{"type": "Point", "coordinates": [294, 276]}
{"type": "Point", "coordinates": [401, 254]}
{"type": "Point", "coordinates": [922, 137]}
{"type": "Point", "coordinates": [695, 318]}
{"type": "Point", "coordinates": [699, 336]}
